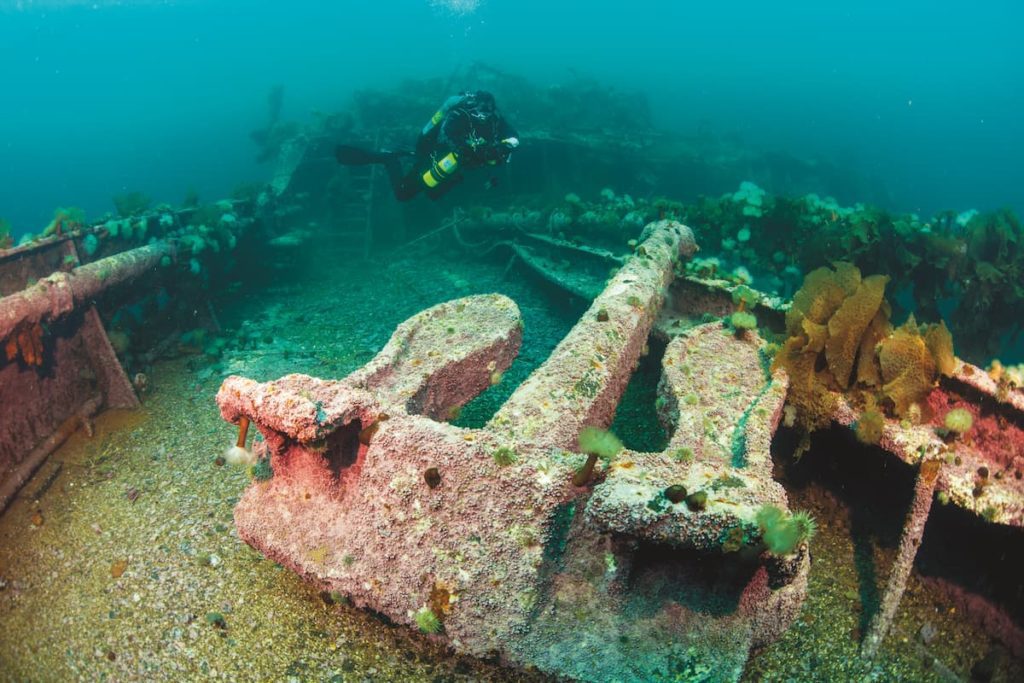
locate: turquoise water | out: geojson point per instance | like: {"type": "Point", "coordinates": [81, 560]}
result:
{"type": "Point", "coordinates": [102, 97]}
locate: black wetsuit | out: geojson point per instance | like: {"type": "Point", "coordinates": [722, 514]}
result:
{"type": "Point", "coordinates": [467, 132]}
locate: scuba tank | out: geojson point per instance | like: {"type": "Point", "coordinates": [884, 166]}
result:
{"type": "Point", "coordinates": [439, 114]}
{"type": "Point", "coordinates": [440, 170]}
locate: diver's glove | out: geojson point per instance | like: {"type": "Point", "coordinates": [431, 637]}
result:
{"type": "Point", "coordinates": [503, 150]}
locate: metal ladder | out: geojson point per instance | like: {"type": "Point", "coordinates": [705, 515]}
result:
{"type": "Point", "coordinates": [355, 229]}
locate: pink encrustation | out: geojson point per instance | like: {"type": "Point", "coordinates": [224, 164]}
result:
{"type": "Point", "coordinates": [376, 497]}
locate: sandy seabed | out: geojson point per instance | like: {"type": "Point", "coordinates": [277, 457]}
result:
{"type": "Point", "coordinates": [119, 559]}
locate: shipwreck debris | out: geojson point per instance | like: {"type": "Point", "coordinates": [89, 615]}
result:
{"type": "Point", "coordinates": [56, 349]}
{"type": "Point", "coordinates": [425, 503]}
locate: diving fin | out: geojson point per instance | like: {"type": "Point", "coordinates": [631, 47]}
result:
{"type": "Point", "coordinates": [354, 156]}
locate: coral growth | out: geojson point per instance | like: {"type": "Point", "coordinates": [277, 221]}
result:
{"type": "Point", "coordinates": [969, 260]}
{"type": "Point", "coordinates": [908, 367]}
{"type": "Point", "coordinates": [840, 341]}
{"type": "Point", "coordinates": [26, 343]}
{"type": "Point", "coordinates": [65, 220]}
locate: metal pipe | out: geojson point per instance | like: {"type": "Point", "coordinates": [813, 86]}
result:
{"type": "Point", "coordinates": [59, 293]}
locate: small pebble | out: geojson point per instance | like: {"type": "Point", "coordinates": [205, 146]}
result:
{"type": "Point", "coordinates": [118, 567]}
{"type": "Point", "coordinates": [432, 477]}
{"type": "Point", "coordinates": [676, 493]}
{"type": "Point", "coordinates": [697, 501]}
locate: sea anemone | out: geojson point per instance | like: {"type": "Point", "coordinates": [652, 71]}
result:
{"type": "Point", "coordinates": [783, 533]}
{"type": "Point", "coordinates": [745, 298]}
{"type": "Point", "coordinates": [504, 456]}
{"type": "Point", "coordinates": [742, 320]}
{"type": "Point", "coordinates": [239, 455]}
{"type": "Point", "coordinates": [959, 420]}
{"type": "Point", "coordinates": [427, 620]}
{"type": "Point", "coordinates": [869, 427]}
{"type": "Point", "coordinates": [805, 524]}
{"type": "Point", "coordinates": [596, 443]}
{"type": "Point", "coordinates": [599, 442]}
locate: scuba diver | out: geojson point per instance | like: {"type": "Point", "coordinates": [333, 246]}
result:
{"type": "Point", "coordinates": [466, 132]}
